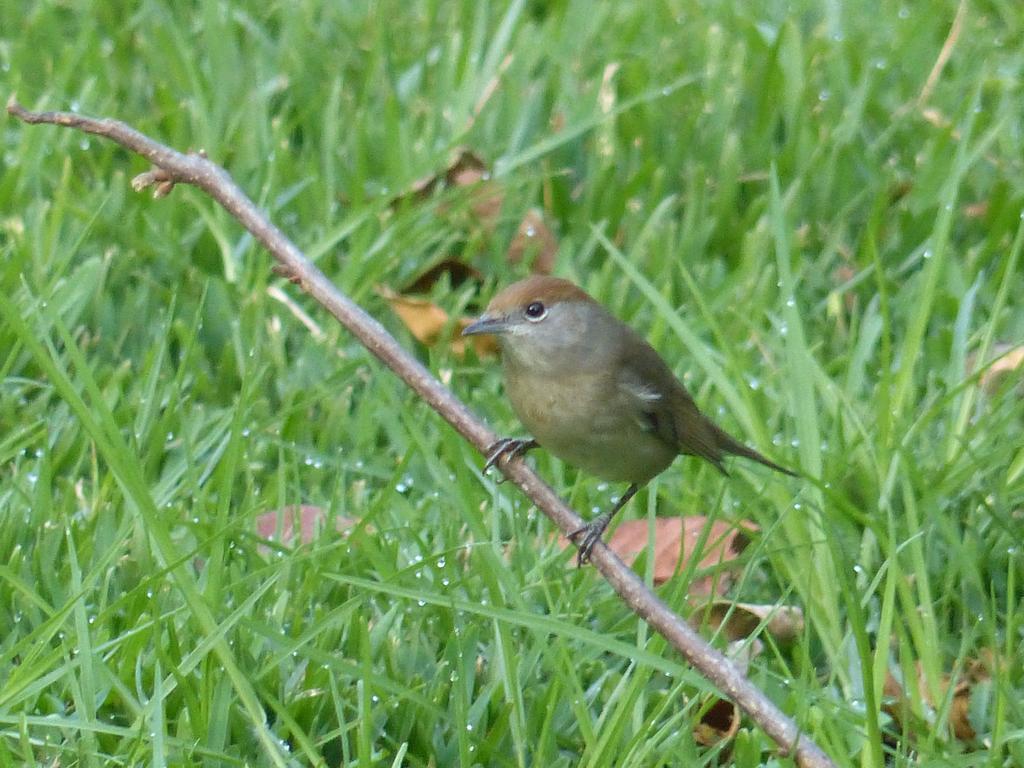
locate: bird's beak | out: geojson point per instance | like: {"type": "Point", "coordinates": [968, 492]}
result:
{"type": "Point", "coordinates": [494, 324]}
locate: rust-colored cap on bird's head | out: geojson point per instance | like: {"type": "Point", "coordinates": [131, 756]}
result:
{"type": "Point", "coordinates": [544, 288]}
{"type": "Point", "coordinates": [527, 300]}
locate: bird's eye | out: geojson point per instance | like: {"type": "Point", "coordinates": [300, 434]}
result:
{"type": "Point", "coordinates": [535, 311]}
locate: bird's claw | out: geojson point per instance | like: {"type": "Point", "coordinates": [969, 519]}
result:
{"type": "Point", "coordinates": [507, 448]}
{"type": "Point", "coordinates": [587, 537]}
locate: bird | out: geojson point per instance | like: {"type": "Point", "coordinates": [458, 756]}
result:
{"type": "Point", "coordinates": [590, 390]}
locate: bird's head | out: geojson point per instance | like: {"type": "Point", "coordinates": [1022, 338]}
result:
{"type": "Point", "coordinates": [544, 323]}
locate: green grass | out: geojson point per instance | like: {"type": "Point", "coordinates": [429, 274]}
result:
{"type": "Point", "coordinates": [755, 187]}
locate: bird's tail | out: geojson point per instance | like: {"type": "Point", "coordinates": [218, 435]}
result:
{"type": "Point", "coordinates": [728, 444]}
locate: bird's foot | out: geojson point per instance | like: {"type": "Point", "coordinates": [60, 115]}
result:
{"type": "Point", "coordinates": [508, 448]}
{"type": "Point", "coordinates": [586, 538]}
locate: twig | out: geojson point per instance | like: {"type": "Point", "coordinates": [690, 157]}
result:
{"type": "Point", "coordinates": [944, 54]}
{"type": "Point", "coordinates": [298, 312]}
{"type": "Point", "coordinates": [172, 167]}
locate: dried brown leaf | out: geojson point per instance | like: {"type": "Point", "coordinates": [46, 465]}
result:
{"type": "Point", "coordinates": [486, 204]}
{"type": "Point", "coordinates": [427, 322]}
{"type": "Point", "coordinates": [978, 210]}
{"type": "Point", "coordinates": [464, 167]}
{"type": "Point", "coordinates": [1009, 360]}
{"type": "Point", "coordinates": [785, 623]}
{"type": "Point", "coordinates": [899, 190]}
{"type": "Point", "coordinates": [424, 319]}
{"type": "Point", "coordinates": [675, 542]}
{"type": "Point", "coordinates": [841, 275]}
{"type": "Point", "coordinates": [458, 273]}
{"type": "Point", "coordinates": [298, 524]}
{"type": "Point", "coordinates": [959, 713]}
{"type": "Point", "coordinates": [719, 721]}
{"type": "Point", "coordinates": [468, 170]}
{"type": "Point", "coordinates": [899, 704]}
{"type": "Point", "coordinates": [535, 239]}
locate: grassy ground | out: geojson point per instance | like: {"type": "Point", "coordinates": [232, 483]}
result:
{"type": "Point", "coordinates": [821, 238]}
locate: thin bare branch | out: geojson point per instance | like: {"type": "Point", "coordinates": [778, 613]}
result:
{"type": "Point", "coordinates": [172, 167]}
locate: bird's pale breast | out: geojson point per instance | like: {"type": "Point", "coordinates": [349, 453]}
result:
{"type": "Point", "coordinates": [609, 441]}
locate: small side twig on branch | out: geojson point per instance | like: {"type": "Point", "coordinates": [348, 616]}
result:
{"type": "Point", "coordinates": [172, 167]}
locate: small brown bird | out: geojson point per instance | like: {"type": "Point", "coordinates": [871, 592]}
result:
{"type": "Point", "coordinates": [594, 393]}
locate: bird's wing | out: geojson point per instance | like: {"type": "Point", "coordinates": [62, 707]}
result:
{"type": "Point", "coordinates": [648, 406]}
{"type": "Point", "coordinates": [662, 405]}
